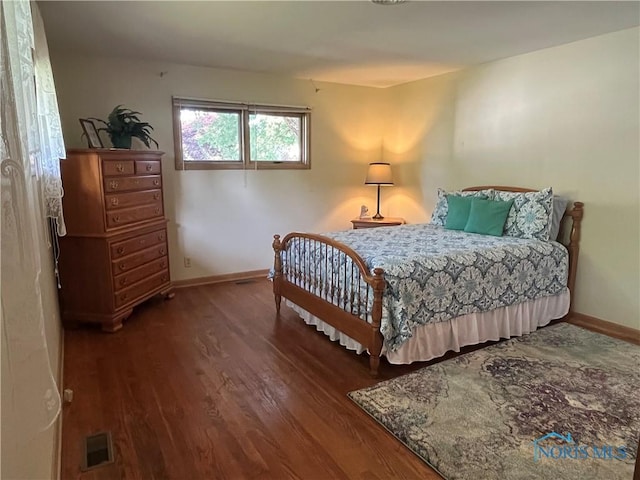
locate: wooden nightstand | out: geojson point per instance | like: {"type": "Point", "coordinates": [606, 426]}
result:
{"type": "Point", "coordinates": [372, 223]}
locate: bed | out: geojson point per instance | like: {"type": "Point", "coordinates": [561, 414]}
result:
{"type": "Point", "coordinates": [414, 292]}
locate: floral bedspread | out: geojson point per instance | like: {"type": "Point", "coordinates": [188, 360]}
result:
{"type": "Point", "coordinates": [434, 274]}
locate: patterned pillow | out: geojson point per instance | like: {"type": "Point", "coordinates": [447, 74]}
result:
{"type": "Point", "coordinates": [530, 215]}
{"type": "Point", "coordinates": [439, 215]}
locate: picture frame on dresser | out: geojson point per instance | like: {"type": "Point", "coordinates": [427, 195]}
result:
{"type": "Point", "coordinates": [91, 133]}
{"type": "Point", "coordinates": [115, 254]}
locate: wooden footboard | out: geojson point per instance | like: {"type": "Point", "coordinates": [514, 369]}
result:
{"type": "Point", "coordinates": [332, 282]}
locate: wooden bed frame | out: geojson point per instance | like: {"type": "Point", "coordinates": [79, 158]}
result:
{"type": "Point", "coordinates": [320, 295]}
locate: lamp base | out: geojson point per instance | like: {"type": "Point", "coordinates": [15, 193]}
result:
{"type": "Point", "coordinates": [377, 216]}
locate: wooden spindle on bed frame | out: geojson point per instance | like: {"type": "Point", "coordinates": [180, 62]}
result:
{"type": "Point", "coordinates": [277, 271]}
{"type": "Point", "coordinates": [376, 319]}
{"type": "Point", "coordinates": [335, 292]}
{"type": "Point", "coordinates": [576, 214]}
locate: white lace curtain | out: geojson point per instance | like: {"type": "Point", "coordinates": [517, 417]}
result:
{"type": "Point", "coordinates": [31, 145]}
{"type": "Point", "coordinates": [33, 98]}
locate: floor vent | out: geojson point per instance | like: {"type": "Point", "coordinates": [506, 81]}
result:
{"type": "Point", "coordinates": [243, 282]}
{"type": "Point", "coordinates": [98, 450]}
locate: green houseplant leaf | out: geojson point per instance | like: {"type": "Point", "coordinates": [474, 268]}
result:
{"type": "Point", "coordinates": [123, 124]}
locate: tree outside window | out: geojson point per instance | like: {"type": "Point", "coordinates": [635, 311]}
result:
{"type": "Point", "coordinates": [212, 135]}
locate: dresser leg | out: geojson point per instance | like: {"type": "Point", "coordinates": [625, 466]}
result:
{"type": "Point", "coordinates": [115, 324]}
{"type": "Point", "coordinates": [168, 294]}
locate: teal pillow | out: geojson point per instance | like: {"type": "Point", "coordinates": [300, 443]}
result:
{"type": "Point", "coordinates": [488, 217]}
{"type": "Point", "coordinates": [458, 213]}
{"type": "Point", "coordinates": [439, 215]}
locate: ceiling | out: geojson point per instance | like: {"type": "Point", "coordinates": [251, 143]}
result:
{"type": "Point", "coordinates": [353, 42]}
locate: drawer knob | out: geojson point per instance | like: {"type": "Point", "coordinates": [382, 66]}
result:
{"type": "Point", "coordinates": [161, 237]}
{"type": "Point", "coordinates": [120, 167]}
{"type": "Point", "coordinates": [163, 264]}
{"type": "Point", "coordinates": [156, 182]}
{"type": "Point", "coordinates": [164, 278]}
{"type": "Point", "coordinates": [142, 241]}
{"type": "Point", "coordinates": [115, 201]}
{"type": "Point", "coordinates": [113, 185]}
{"type": "Point", "coordinates": [136, 182]}
{"type": "Point", "coordinates": [116, 219]}
{"type": "Point", "coordinates": [122, 266]}
{"type": "Point", "coordinates": [120, 250]}
{"type": "Point", "coordinates": [123, 296]}
{"type": "Point", "coordinates": [157, 210]}
{"type": "Point", "coordinates": [123, 281]}
{"type": "Point", "coordinates": [149, 167]}
{"type": "Point", "coordinates": [156, 196]}
{"type": "Point", "coordinates": [162, 251]}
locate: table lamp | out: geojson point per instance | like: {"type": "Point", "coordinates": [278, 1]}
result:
{"type": "Point", "coordinates": [379, 174]}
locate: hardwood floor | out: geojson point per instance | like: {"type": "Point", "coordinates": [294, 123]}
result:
{"type": "Point", "coordinates": [210, 386]}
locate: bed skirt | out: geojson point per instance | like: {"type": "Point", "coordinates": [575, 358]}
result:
{"type": "Point", "coordinates": [434, 340]}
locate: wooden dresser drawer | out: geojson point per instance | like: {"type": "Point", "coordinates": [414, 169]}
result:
{"type": "Point", "coordinates": [117, 167]}
{"type": "Point", "coordinates": [122, 200]}
{"type": "Point", "coordinates": [129, 278]}
{"type": "Point", "coordinates": [140, 289]}
{"type": "Point", "coordinates": [147, 167]}
{"type": "Point", "coordinates": [126, 264]}
{"type": "Point", "coordinates": [125, 216]}
{"type": "Point", "coordinates": [132, 245]}
{"type": "Point", "coordinates": [132, 183]}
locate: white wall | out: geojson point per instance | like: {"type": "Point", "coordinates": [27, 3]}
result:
{"type": "Point", "coordinates": [419, 139]}
{"type": "Point", "coordinates": [566, 117]}
{"type": "Point", "coordinates": [224, 220]}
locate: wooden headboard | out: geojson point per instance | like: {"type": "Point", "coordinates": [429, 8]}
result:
{"type": "Point", "coordinates": [574, 213]}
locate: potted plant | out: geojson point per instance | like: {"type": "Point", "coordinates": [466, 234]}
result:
{"type": "Point", "coordinates": [123, 124]}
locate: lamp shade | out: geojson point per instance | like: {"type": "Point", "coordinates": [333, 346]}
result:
{"type": "Point", "coordinates": [379, 173]}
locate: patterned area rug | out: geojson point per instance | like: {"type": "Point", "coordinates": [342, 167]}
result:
{"type": "Point", "coordinates": [560, 403]}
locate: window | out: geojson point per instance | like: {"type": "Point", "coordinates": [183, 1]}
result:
{"type": "Point", "coordinates": [215, 135]}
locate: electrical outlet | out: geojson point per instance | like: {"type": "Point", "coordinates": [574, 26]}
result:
{"type": "Point", "coordinates": [187, 262]}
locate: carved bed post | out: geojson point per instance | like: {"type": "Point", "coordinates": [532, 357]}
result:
{"type": "Point", "coordinates": [277, 271]}
{"type": "Point", "coordinates": [574, 248]}
{"type": "Point", "coordinates": [376, 318]}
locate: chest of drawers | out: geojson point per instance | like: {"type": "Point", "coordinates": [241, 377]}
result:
{"type": "Point", "coordinates": [115, 254]}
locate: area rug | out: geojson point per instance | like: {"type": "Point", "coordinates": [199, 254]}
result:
{"type": "Point", "coordinates": [560, 403]}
